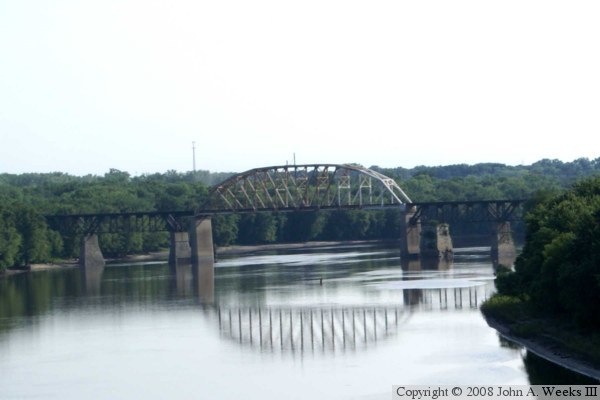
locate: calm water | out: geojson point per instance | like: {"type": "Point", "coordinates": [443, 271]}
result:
{"type": "Point", "coordinates": [266, 328]}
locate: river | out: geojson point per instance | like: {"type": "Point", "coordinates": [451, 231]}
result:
{"type": "Point", "coordinates": [326, 323]}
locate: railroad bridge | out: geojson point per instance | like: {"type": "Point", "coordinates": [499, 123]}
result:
{"type": "Point", "coordinates": [293, 188]}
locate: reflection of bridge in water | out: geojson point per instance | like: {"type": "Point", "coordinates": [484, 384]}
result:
{"type": "Point", "coordinates": [332, 329]}
{"type": "Point", "coordinates": [309, 328]}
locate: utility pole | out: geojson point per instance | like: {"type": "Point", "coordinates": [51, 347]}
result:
{"type": "Point", "coordinates": [194, 155]}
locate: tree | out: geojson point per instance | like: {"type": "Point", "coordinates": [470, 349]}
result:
{"type": "Point", "coordinates": [559, 268]}
{"type": "Point", "coordinates": [35, 246]}
{"type": "Point", "coordinates": [10, 240]}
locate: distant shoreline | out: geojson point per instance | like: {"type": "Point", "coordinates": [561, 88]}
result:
{"type": "Point", "coordinates": [225, 250]}
{"type": "Point", "coordinates": [248, 249]}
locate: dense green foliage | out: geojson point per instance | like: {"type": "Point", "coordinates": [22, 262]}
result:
{"type": "Point", "coordinates": [24, 199]}
{"type": "Point", "coordinates": [559, 268]}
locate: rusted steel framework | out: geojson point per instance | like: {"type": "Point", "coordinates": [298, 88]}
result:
{"type": "Point", "coordinates": [304, 187]}
{"type": "Point", "coordinates": [469, 211]}
{"type": "Point", "coordinates": [120, 222]}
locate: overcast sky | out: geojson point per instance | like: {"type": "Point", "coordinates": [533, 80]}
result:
{"type": "Point", "coordinates": [90, 85]}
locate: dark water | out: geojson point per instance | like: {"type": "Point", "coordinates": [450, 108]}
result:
{"type": "Point", "coordinates": [323, 323]}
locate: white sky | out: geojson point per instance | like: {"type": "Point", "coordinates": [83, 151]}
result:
{"type": "Point", "coordinates": [90, 85]}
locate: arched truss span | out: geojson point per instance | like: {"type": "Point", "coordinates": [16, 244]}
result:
{"type": "Point", "coordinates": [304, 187]}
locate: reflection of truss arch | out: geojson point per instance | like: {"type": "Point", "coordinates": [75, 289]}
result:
{"type": "Point", "coordinates": [310, 329]}
{"type": "Point", "coordinates": [334, 329]}
{"type": "Point", "coordinates": [304, 187]}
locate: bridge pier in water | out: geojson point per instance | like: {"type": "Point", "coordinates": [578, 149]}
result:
{"type": "Point", "coordinates": [430, 242]}
{"type": "Point", "coordinates": [503, 246]}
{"type": "Point", "coordinates": [180, 252]}
{"type": "Point", "coordinates": [91, 255]}
{"type": "Point", "coordinates": [202, 241]}
{"type": "Point", "coordinates": [436, 242]}
{"type": "Point", "coordinates": [203, 258]}
{"type": "Point", "coordinates": [91, 263]}
{"type": "Point", "coordinates": [410, 231]}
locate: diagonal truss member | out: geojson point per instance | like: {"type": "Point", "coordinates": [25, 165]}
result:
{"type": "Point", "coordinates": [308, 187]}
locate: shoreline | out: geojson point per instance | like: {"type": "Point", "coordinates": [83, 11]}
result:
{"type": "Point", "coordinates": [38, 267]}
{"type": "Point", "coordinates": [550, 351]}
{"type": "Point", "coordinates": [225, 250]}
{"type": "Point", "coordinates": [243, 249]}
{"type": "Point", "coordinates": [249, 249]}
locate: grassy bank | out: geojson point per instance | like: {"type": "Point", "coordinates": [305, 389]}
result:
{"type": "Point", "coordinates": [553, 336]}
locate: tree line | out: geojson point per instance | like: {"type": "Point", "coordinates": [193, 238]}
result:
{"type": "Point", "coordinates": [24, 198]}
{"type": "Point", "coordinates": [558, 271]}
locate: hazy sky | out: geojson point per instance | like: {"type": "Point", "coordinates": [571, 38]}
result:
{"type": "Point", "coordinates": [89, 85]}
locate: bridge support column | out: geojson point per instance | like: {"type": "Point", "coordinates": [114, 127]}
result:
{"type": "Point", "coordinates": [91, 264]}
{"type": "Point", "coordinates": [410, 229]}
{"type": "Point", "coordinates": [202, 241]}
{"type": "Point", "coordinates": [91, 255]}
{"type": "Point", "coordinates": [503, 246]}
{"type": "Point", "coordinates": [436, 242]}
{"type": "Point", "coordinates": [203, 258]}
{"type": "Point", "coordinates": [180, 252]}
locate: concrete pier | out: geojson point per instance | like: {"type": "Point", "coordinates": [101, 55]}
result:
{"type": "Point", "coordinates": [202, 241]}
{"type": "Point", "coordinates": [91, 263]}
{"type": "Point", "coordinates": [431, 242]}
{"type": "Point", "coordinates": [180, 252]}
{"type": "Point", "coordinates": [436, 242]}
{"type": "Point", "coordinates": [91, 255]}
{"type": "Point", "coordinates": [410, 240]}
{"type": "Point", "coordinates": [503, 246]}
{"type": "Point", "coordinates": [203, 259]}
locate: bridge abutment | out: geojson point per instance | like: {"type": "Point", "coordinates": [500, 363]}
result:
{"type": "Point", "coordinates": [180, 252]}
{"type": "Point", "coordinates": [503, 245]}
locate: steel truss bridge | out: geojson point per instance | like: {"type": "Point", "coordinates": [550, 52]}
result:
{"type": "Point", "coordinates": [289, 188]}
{"type": "Point", "coordinates": [304, 187]}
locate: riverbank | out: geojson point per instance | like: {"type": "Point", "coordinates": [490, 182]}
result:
{"type": "Point", "coordinates": [38, 267]}
{"type": "Point", "coordinates": [249, 249]}
{"type": "Point", "coordinates": [239, 249]}
{"type": "Point", "coordinates": [220, 251]}
{"type": "Point", "coordinates": [551, 339]}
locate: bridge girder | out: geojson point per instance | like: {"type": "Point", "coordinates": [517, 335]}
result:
{"type": "Point", "coordinates": [151, 221]}
{"type": "Point", "coordinates": [469, 211]}
{"type": "Point", "coordinates": [304, 187]}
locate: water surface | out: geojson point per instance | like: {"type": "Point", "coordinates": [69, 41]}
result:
{"type": "Point", "coordinates": [323, 323]}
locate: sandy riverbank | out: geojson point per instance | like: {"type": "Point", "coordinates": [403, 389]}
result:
{"type": "Point", "coordinates": [238, 249]}
{"type": "Point", "coordinates": [549, 350]}
{"type": "Point", "coordinates": [289, 246]}
{"type": "Point", "coordinates": [225, 250]}
{"type": "Point", "coordinates": [38, 267]}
